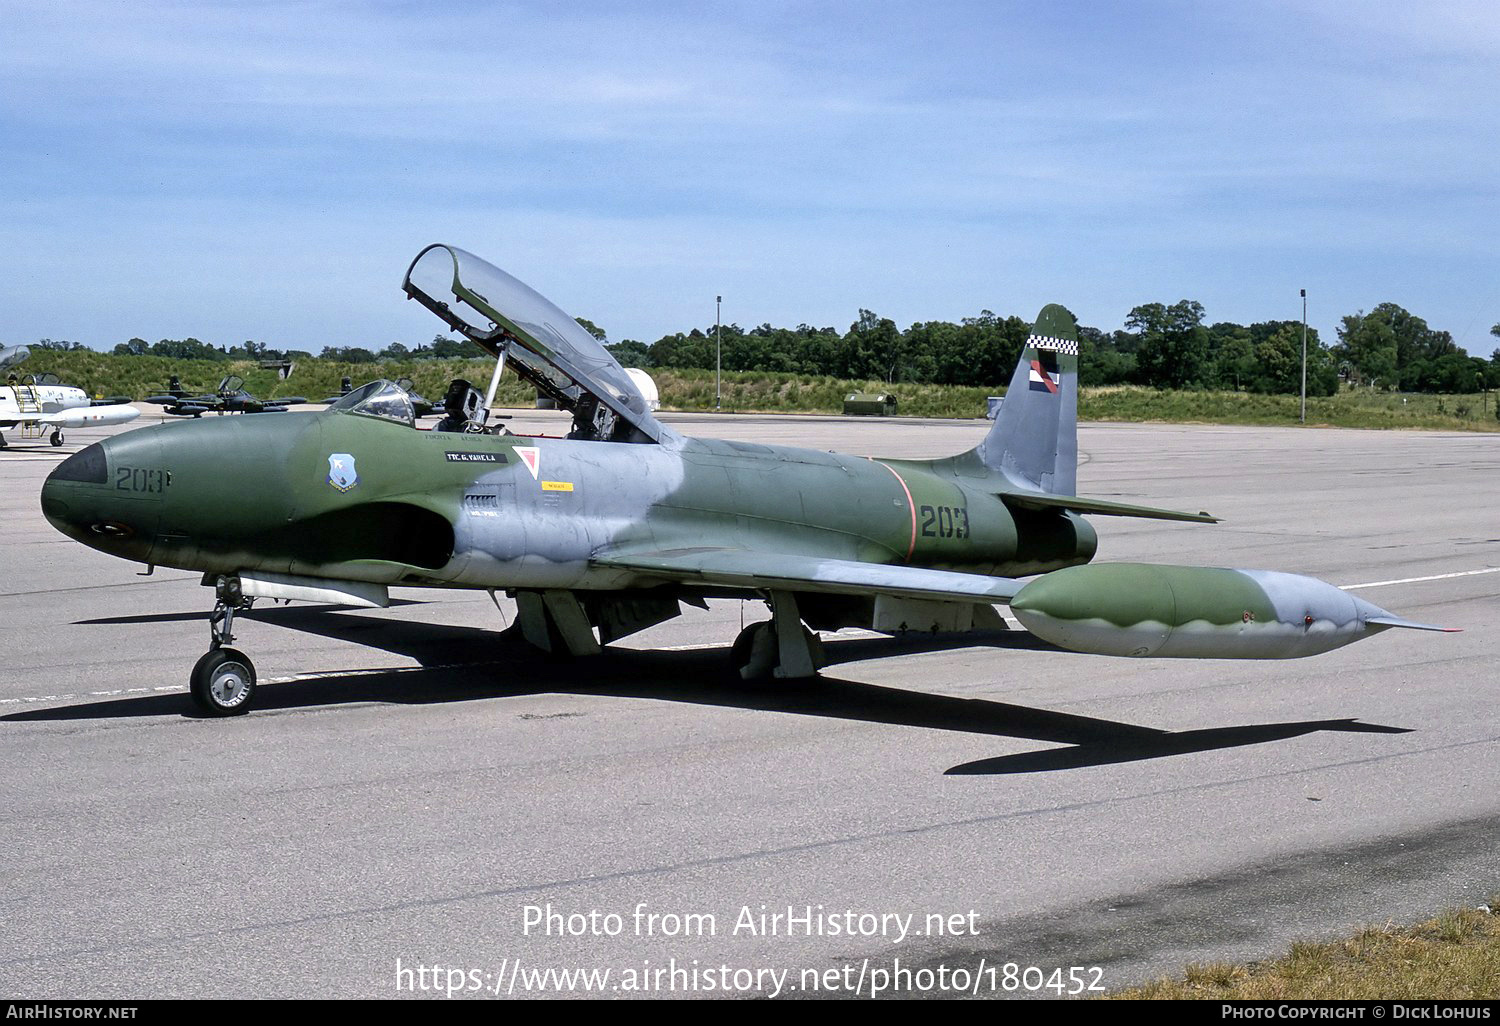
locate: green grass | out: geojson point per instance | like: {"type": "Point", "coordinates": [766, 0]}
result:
{"type": "Point", "coordinates": [1355, 408]}
{"type": "Point", "coordinates": [1455, 956]}
{"type": "Point", "coordinates": [748, 392]}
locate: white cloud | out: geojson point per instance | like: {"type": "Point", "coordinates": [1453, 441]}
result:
{"type": "Point", "coordinates": [208, 164]}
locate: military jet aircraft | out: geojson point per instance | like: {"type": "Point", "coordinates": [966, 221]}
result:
{"type": "Point", "coordinates": [346, 385]}
{"type": "Point", "coordinates": [608, 531]}
{"type": "Point", "coordinates": [229, 397]}
{"type": "Point", "coordinates": [175, 389]}
{"type": "Point", "coordinates": [42, 401]}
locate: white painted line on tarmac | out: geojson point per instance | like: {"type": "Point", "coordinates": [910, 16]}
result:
{"type": "Point", "coordinates": [91, 694]}
{"type": "Point", "coordinates": [1418, 580]}
{"type": "Point", "coordinates": [290, 679]}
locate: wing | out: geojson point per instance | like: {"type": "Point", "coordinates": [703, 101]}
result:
{"type": "Point", "coordinates": [742, 568]}
{"type": "Point", "coordinates": [184, 405]}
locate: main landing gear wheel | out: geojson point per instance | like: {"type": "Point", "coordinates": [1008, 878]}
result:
{"type": "Point", "coordinates": [223, 682]}
{"type": "Point", "coordinates": [756, 653]}
{"type": "Point", "coordinates": [57, 437]}
{"type": "Point", "coordinates": [753, 653]}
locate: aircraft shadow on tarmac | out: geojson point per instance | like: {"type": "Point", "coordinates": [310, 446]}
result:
{"type": "Point", "coordinates": [459, 664]}
{"type": "Point", "coordinates": [198, 616]}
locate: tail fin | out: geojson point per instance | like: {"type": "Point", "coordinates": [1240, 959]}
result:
{"type": "Point", "coordinates": [1034, 442]}
{"type": "Point", "coordinates": [1032, 450]}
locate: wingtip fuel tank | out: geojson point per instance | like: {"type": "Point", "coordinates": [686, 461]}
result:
{"type": "Point", "coordinates": [1140, 609]}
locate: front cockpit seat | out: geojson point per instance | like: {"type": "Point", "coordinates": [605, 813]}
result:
{"type": "Point", "coordinates": [464, 408]}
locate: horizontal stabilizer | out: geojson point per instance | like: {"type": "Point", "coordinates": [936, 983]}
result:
{"type": "Point", "coordinates": [1102, 507]}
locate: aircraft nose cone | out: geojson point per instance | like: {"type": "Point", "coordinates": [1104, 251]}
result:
{"type": "Point", "coordinates": [93, 498]}
{"type": "Point", "coordinates": [87, 467]}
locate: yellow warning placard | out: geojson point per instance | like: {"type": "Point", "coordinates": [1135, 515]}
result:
{"type": "Point", "coordinates": [557, 486]}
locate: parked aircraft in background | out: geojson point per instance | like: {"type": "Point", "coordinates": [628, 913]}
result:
{"type": "Point", "coordinates": [41, 402]}
{"type": "Point", "coordinates": [229, 397]}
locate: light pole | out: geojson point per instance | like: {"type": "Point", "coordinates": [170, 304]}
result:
{"type": "Point", "coordinates": [1304, 356]}
{"type": "Point", "coordinates": [718, 351]}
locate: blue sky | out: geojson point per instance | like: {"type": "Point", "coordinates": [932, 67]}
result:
{"type": "Point", "coordinates": [266, 171]}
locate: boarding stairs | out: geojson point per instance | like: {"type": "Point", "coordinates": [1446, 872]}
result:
{"type": "Point", "coordinates": [28, 401]}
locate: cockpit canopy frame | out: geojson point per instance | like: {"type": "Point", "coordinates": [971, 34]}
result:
{"type": "Point", "coordinates": [379, 398]}
{"type": "Point", "coordinates": [546, 347]}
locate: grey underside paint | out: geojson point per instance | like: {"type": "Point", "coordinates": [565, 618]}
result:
{"type": "Point", "coordinates": [740, 568]}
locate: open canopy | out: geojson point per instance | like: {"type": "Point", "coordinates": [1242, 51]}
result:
{"type": "Point", "coordinates": [544, 345]}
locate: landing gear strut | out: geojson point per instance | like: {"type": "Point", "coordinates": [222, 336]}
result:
{"type": "Point", "coordinates": [223, 681]}
{"type": "Point", "coordinates": [779, 648]}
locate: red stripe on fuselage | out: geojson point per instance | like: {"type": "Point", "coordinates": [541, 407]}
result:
{"type": "Point", "coordinates": [909, 505]}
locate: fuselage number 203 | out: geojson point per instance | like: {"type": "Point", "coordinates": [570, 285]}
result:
{"type": "Point", "coordinates": [944, 522]}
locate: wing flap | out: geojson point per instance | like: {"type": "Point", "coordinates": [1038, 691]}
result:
{"type": "Point", "coordinates": [741, 568]}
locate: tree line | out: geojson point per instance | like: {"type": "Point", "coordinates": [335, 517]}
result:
{"type": "Point", "coordinates": [1160, 345]}
{"type": "Point", "coordinates": [441, 348]}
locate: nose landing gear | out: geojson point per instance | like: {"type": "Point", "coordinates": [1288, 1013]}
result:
{"type": "Point", "coordinates": [223, 681]}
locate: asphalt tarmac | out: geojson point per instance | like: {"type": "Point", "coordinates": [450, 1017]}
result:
{"type": "Point", "coordinates": [418, 804]}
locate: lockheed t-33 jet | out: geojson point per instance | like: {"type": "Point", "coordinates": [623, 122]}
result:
{"type": "Point", "coordinates": [610, 530]}
{"type": "Point", "coordinates": [42, 403]}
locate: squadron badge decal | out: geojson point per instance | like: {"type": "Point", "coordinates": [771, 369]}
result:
{"type": "Point", "coordinates": [341, 472]}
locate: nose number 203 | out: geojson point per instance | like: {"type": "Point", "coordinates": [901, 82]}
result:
{"type": "Point", "coordinates": [139, 479]}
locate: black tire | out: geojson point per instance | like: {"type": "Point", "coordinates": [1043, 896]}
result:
{"type": "Point", "coordinates": [223, 682]}
{"type": "Point", "coordinates": [739, 652]}
{"type": "Point", "coordinates": [57, 438]}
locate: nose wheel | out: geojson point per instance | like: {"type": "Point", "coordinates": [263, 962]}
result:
{"type": "Point", "coordinates": [223, 681]}
{"type": "Point", "coordinates": [57, 437]}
